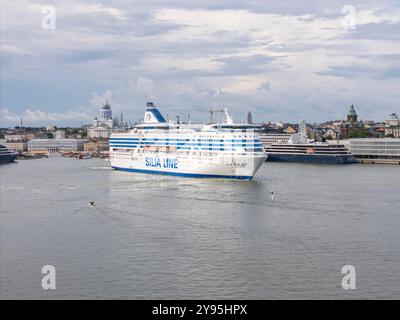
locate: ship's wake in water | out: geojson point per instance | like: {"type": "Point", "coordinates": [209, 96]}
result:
{"type": "Point", "coordinates": [100, 168]}
{"type": "Point", "coordinates": [120, 215]}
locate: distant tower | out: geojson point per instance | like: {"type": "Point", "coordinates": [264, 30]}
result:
{"type": "Point", "coordinates": [249, 118]}
{"type": "Point", "coordinates": [106, 112]}
{"type": "Point", "coordinates": [352, 115]}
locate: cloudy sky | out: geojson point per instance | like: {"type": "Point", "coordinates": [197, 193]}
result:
{"type": "Point", "coordinates": [281, 60]}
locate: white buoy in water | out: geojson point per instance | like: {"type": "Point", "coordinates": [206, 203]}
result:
{"type": "Point", "coordinates": [91, 204]}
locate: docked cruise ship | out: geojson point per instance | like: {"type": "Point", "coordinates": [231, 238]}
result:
{"type": "Point", "coordinates": [323, 153]}
{"type": "Point", "coordinates": [304, 151]}
{"type": "Point", "coordinates": [215, 150]}
{"type": "Point", "coordinates": [7, 155]}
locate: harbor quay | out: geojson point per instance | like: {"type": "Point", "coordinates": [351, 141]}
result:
{"type": "Point", "coordinates": [376, 151]}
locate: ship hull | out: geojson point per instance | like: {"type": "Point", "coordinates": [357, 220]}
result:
{"type": "Point", "coordinates": [312, 158]}
{"type": "Point", "coordinates": [194, 166]}
{"type": "Point", "coordinates": [8, 158]}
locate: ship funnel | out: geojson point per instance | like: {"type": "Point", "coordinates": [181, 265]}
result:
{"type": "Point", "coordinates": [152, 115]}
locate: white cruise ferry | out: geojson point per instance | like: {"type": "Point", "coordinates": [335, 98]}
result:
{"type": "Point", "coordinates": [216, 150]}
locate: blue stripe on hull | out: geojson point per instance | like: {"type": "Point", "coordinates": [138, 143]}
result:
{"type": "Point", "coordinates": [180, 174]}
{"type": "Point", "coordinates": [304, 158]}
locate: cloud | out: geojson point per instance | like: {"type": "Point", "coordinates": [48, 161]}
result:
{"type": "Point", "coordinates": [376, 31]}
{"type": "Point", "coordinates": [265, 86]}
{"type": "Point", "coordinates": [97, 100]}
{"type": "Point", "coordinates": [145, 87]}
{"type": "Point", "coordinates": [13, 50]}
{"type": "Point", "coordinates": [354, 71]}
{"type": "Point", "coordinates": [39, 117]}
{"type": "Point", "coordinates": [349, 71]}
{"type": "Point", "coordinates": [239, 65]}
{"type": "Point", "coordinates": [195, 54]}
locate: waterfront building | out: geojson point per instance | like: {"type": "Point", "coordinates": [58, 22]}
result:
{"type": "Point", "coordinates": [56, 145]}
{"type": "Point", "coordinates": [393, 121]}
{"type": "Point", "coordinates": [393, 131]}
{"type": "Point", "coordinates": [19, 136]}
{"type": "Point", "coordinates": [103, 127]}
{"type": "Point", "coordinates": [99, 132]}
{"type": "Point", "coordinates": [268, 139]}
{"type": "Point", "coordinates": [19, 146]}
{"type": "Point", "coordinates": [60, 134]}
{"type": "Point", "coordinates": [376, 150]}
{"type": "Point", "coordinates": [103, 145]}
{"type": "Point", "coordinates": [352, 115]}
{"type": "Point", "coordinates": [350, 123]}
{"type": "Point", "coordinates": [18, 141]}
{"type": "Point", "coordinates": [90, 146]}
{"type": "Point", "coordinates": [41, 135]}
{"type": "Point", "coordinates": [330, 133]}
{"type": "Point", "coordinates": [393, 126]}
{"type": "Point", "coordinates": [96, 146]}
{"type": "Point", "coordinates": [290, 130]}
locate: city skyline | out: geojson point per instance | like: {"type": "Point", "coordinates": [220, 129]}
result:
{"type": "Point", "coordinates": [281, 61]}
{"type": "Point", "coordinates": [119, 117]}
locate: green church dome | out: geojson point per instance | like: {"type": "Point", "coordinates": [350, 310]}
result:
{"type": "Point", "coordinates": [352, 112]}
